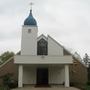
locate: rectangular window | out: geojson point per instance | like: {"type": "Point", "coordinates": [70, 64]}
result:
{"type": "Point", "coordinates": [29, 30]}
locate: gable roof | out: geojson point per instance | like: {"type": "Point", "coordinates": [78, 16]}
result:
{"type": "Point", "coordinates": [42, 36]}
{"type": "Point", "coordinates": [6, 62]}
{"type": "Point", "coordinates": [67, 51]}
{"type": "Point", "coordinates": [54, 41]}
{"type": "Point", "coordinates": [60, 45]}
{"type": "Point", "coordinates": [11, 58]}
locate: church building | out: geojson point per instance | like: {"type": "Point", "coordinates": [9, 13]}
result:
{"type": "Point", "coordinates": [43, 61]}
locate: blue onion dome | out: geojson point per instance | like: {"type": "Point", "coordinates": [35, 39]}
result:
{"type": "Point", "coordinates": [30, 20]}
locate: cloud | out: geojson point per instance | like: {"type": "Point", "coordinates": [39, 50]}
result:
{"type": "Point", "coordinates": [68, 21]}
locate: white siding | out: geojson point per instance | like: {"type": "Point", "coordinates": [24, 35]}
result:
{"type": "Point", "coordinates": [29, 41]}
{"type": "Point", "coordinates": [27, 59]}
{"type": "Point", "coordinates": [56, 75]}
{"type": "Point", "coordinates": [54, 48]}
{"type": "Point", "coordinates": [29, 75]}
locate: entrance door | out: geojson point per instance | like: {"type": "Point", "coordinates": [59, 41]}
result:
{"type": "Point", "coordinates": [42, 76]}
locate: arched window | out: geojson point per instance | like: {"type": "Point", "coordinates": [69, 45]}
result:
{"type": "Point", "coordinates": [42, 46]}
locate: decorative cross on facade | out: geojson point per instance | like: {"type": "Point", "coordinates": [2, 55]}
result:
{"type": "Point", "coordinates": [31, 5]}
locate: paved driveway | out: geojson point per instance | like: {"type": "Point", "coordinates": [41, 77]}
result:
{"type": "Point", "coordinates": [52, 88]}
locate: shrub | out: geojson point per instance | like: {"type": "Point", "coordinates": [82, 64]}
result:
{"type": "Point", "coordinates": [12, 84]}
{"type": "Point", "coordinates": [88, 83]}
{"type": "Point", "coordinates": [4, 88]}
{"type": "Point", "coordinates": [8, 81]}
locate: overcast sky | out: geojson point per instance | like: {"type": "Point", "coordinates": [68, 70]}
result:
{"type": "Point", "coordinates": [67, 21]}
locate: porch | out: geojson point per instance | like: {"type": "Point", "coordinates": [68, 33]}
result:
{"type": "Point", "coordinates": [45, 70]}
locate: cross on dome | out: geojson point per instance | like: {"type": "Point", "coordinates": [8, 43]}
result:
{"type": "Point", "coordinates": [31, 4]}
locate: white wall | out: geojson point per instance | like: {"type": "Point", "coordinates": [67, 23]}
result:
{"type": "Point", "coordinates": [32, 59]}
{"type": "Point", "coordinates": [56, 75]}
{"type": "Point", "coordinates": [54, 48]}
{"type": "Point", "coordinates": [29, 75]}
{"type": "Point", "coordinates": [29, 40]}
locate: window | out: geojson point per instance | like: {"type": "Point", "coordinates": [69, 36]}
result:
{"type": "Point", "coordinates": [42, 46]}
{"type": "Point", "coordinates": [29, 30]}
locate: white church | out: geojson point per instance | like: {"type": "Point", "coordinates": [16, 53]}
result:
{"type": "Point", "coordinates": [43, 61]}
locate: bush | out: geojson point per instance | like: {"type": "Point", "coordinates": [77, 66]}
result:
{"type": "Point", "coordinates": [12, 84]}
{"type": "Point", "coordinates": [88, 83]}
{"type": "Point", "coordinates": [87, 88]}
{"type": "Point", "coordinates": [9, 82]}
{"type": "Point", "coordinates": [4, 88]}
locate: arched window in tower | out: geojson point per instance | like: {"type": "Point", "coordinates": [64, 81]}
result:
{"type": "Point", "coordinates": [42, 46]}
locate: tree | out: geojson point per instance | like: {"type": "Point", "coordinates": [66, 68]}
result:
{"type": "Point", "coordinates": [86, 59]}
{"type": "Point", "coordinates": [5, 56]}
{"type": "Point", "coordinates": [87, 63]}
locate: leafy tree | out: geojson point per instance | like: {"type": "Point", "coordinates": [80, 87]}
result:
{"type": "Point", "coordinates": [86, 59]}
{"type": "Point", "coordinates": [5, 56]}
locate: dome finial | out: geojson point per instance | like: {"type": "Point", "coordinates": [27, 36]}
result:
{"type": "Point", "coordinates": [31, 6]}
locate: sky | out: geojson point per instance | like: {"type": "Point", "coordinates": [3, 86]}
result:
{"type": "Point", "coordinates": [67, 21]}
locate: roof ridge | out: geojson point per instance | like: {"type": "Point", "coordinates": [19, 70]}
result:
{"type": "Point", "coordinates": [6, 61]}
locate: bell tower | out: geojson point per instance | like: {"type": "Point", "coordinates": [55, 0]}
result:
{"type": "Point", "coordinates": [29, 36]}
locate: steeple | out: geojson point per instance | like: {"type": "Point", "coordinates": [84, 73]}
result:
{"type": "Point", "coordinates": [29, 36]}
